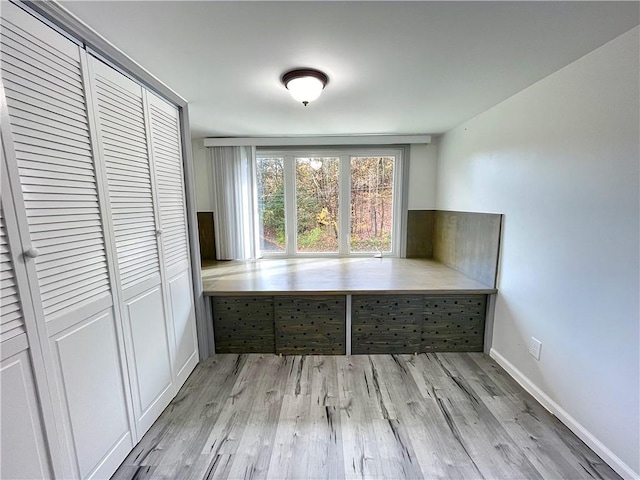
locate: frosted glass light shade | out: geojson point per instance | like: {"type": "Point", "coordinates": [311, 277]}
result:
{"type": "Point", "coordinates": [305, 85]}
{"type": "Point", "coordinates": [305, 89]}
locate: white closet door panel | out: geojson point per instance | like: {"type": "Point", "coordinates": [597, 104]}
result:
{"type": "Point", "coordinates": [38, 104]}
{"type": "Point", "coordinates": [90, 378]}
{"type": "Point", "coordinates": [81, 298]}
{"type": "Point", "coordinates": [127, 145]}
{"type": "Point", "coordinates": [151, 361]}
{"type": "Point", "coordinates": [62, 248]}
{"type": "Point", "coordinates": [184, 326]}
{"type": "Point", "coordinates": [41, 99]}
{"type": "Point", "coordinates": [39, 124]}
{"type": "Point", "coordinates": [43, 83]}
{"type": "Point", "coordinates": [23, 453]}
{"type": "Point", "coordinates": [29, 32]}
{"type": "Point", "coordinates": [47, 78]}
{"type": "Point", "coordinates": [89, 232]}
{"type": "Point", "coordinates": [120, 169]}
{"type": "Point", "coordinates": [43, 63]}
{"type": "Point", "coordinates": [34, 181]}
{"type": "Point", "coordinates": [11, 318]}
{"type": "Point", "coordinates": [53, 120]}
{"type": "Point", "coordinates": [123, 134]}
{"type": "Point", "coordinates": [42, 71]}
{"type": "Point", "coordinates": [121, 123]}
{"type": "Point", "coordinates": [51, 154]}
{"type": "Point", "coordinates": [24, 81]}
{"type": "Point", "coordinates": [68, 284]}
{"type": "Point", "coordinates": [167, 156]}
{"type": "Point", "coordinates": [63, 274]}
{"type": "Point", "coordinates": [51, 161]}
{"type": "Point", "coordinates": [32, 134]}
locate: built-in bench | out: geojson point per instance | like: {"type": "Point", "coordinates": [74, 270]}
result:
{"type": "Point", "coordinates": [365, 305]}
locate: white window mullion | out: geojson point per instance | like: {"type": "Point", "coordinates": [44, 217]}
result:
{"type": "Point", "coordinates": [344, 201]}
{"type": "Point", "coordinates": [290, 226]}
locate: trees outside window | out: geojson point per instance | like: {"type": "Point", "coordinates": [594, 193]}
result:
{"type": "Point", "coordinates": [319, 203]}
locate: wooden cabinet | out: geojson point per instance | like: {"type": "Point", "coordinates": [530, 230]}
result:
{"type": "Point", "coordinates": [386, 323]}
{"type": "Point", "coordinates": [92, 173]}
{"type": "Point", "coordinates": [418, 323]}
{"type": "Point", "coordinates": [318, 324]}
{"type": "Point", "coordinates": [312, 324]}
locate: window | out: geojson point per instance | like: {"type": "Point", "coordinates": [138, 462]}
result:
{"type": "Point", "coordinates": [329, 202]}
{"type": "Point", "coordinates": [271, 204]}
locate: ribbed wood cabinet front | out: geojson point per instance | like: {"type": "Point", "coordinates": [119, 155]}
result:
{"type": "Point", "coordinates": [94, 168]}
{"type": "Point", "coordinates": [418, 323]}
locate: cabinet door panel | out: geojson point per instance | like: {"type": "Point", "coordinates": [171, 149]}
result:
{"type": "Point", "coordinates": [89, 374]}
{"type": "Point", "coordinates": [23, 453]}
{"type": "Point", "coordinates": [151, 363]}
{"type": "Point", "coordinates": [183, 326]}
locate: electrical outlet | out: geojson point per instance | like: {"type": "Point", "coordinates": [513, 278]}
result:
{"type": "Point", "coordinates": [535, 346]}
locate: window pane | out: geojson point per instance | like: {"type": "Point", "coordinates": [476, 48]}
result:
{"type": "Point", "coordinates": [317, 204]}
{"type": "Point", "coordinates": [271, 204]}
{"type": "Point", "coordinates": [371, 203]}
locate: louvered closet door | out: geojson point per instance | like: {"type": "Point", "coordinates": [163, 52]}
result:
{"type": "Point", "coordinates": [122, 131]}
{"type": "Point", "coordinates": [45, 94]}
{"type": "Point", "coordinates": [23, 452]}
{"type": "Point", "coordinates": [12, 321]}
{"type": "Point", "coordinates": [167, 159]}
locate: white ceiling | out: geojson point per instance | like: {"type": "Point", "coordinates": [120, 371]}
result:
{"type": "Point", "coordinates": [394, 67]}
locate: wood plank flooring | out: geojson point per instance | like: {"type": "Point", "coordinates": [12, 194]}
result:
{"type": "Point", "coordinates": [445, 415]}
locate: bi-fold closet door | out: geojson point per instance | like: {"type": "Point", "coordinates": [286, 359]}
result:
{"type": "Point", "coordinates": [57, 195]}
{"type": "Point", "coordinates": [24, 453]}
{"type": "Point", "coordinates": [139, 146]}
{"type": "Point", "coordinates": [134, 230]}
{"type": "Point", "coordinates": [93, 165]}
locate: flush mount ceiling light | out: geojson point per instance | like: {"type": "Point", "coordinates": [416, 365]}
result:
{"type": "Point", "coordinates": [305, 84]}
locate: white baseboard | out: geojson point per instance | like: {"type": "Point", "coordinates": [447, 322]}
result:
{"type": "Point", "coordinates": [624, 470]}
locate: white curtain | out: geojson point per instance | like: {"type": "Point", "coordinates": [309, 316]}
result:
{"type": "Point", "coordinates": [235, 202]}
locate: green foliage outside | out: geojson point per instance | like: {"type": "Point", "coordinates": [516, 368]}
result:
{"type": "Point", "coordinates": [371, 204]}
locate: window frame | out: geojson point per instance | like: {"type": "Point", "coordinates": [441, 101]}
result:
{"type": "Point", "coordinates": [344, 193]}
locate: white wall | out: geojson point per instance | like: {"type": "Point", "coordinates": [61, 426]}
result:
{"type": "Point", "coordinates": [202, 168]}
{"type": "Point", "coordinates": [423, 161]}
{"type": "Point", "coordinates": [561, 161]}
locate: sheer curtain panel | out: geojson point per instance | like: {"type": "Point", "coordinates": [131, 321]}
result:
{"type": "Point", "coordinates": [235, 202]}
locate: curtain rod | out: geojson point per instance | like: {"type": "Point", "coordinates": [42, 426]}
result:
{"type": "Point", "coordinates": [315, 140]}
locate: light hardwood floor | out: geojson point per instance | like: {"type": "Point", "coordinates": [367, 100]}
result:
{"type": "Point", "coordinates": [329, 276]}
{"type": "Point", "coordinates": [453, 415]}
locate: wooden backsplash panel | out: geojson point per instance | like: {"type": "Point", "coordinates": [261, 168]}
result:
{"type": "Point", "coordinates": [468, 242]}
{"type": "Point", "coordinates": [420, 225]}
{"type": "Point", "coordinates": [207, 236]}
